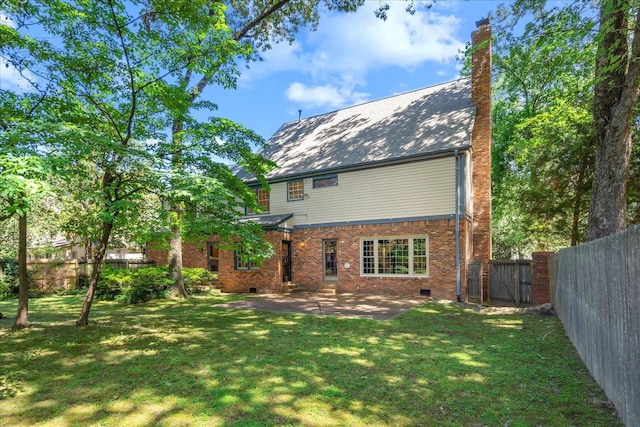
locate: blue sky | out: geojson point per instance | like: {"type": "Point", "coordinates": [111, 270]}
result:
{"type": "Point", "coordinates": [350, 59]}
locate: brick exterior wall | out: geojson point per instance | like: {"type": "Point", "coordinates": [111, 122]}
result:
{"type": "Point", "coordinates": [481, 141]}
{"type": "Point", "coordinates": [308, 267]}
{"type": "Point", "coordinates": [193, 254]}
{"type": "Point", "coordinates": [540, 287]}
{"type": "Point", "coordinates": [266, 279]}
{"type": "Point", "coordinates": [307, 262]}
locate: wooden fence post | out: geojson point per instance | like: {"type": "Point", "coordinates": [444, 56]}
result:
{"type": "Point", "coordinates": [517, 298]}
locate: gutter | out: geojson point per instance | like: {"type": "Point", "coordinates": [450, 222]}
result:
{"type": "Point", "coordinates": [458, 283]}
{"type": "Point", "coordinates": [359, 166]}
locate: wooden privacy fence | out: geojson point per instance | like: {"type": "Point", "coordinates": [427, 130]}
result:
{"type": "Point", "coordinates": [510, 281]}
{"type": "Point", "coordinates": [596, 294]}
{"type": "Point", "coordinates": [474, 281]}
{"type": "Point", "coordinates": [52, 275]}
{"type": "Point", "coordinates": [47, 275]}
{"type": "Point", "coordinates": [85, 268]}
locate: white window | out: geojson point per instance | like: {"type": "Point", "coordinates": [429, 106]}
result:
{"type": "Point", "coordinates": [295, 190]}
{"type": "Point", "coordinates": [262, 196]}
{"type": "Point", "coordinates": [394, 256]}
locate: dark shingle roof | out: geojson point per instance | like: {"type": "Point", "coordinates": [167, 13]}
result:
{"type": "Point", "coordinates": [422, 122]}
{"type": "Point", "coordinates": [268, 221]}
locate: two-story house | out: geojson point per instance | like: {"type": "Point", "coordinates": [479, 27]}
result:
{"type": "Point", "coordinates": [388, 197]}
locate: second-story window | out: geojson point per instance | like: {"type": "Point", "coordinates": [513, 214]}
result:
{"type": "Point", "coordinates": [325, 181]}
{"type": "Point", "coordinates": [262, 196]}
{"type": "Point", "coordinates": [295, 190]}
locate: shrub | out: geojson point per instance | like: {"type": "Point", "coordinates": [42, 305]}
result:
{"type": "Point", "coordinates": [129, 286]}
{"type": "Point", "coordinates": [197, 278]}
{"type": "Point", "coordinates": [9, 278]}
{"type": "Point", "coordinates": [112, 281]}
{"type": "Point", "coordinates": [6, 290]}
{"type": "Point", "coordinates": [148, 283]}
{"type": "Point", "coordinates": [136, 286]}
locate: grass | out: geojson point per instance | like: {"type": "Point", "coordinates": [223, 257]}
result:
{"type": "Point", "coordinates": [177, 363]}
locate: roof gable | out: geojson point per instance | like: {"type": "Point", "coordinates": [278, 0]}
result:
{"type": "Point", "coordinates": [418, 123]}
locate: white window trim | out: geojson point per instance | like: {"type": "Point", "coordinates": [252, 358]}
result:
{"type": "Point", "coordinates": [289, 199]}
{"type": "Point", "coordinates": [375, 256]}
{"type": "Point", "coordinates": [248, 211]}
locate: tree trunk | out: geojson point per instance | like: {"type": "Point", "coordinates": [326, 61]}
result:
{"type": "Point", "coordinates": [83, 320]}
{"type": "Point", "coordinates": [176, 210]}
{"type": "Point", "coordinates": [89, 250]}
{"type": "Point", "coordinates": [22, 319]}
{"type": "Point", "coordinates": [608, 205]}
{"type": "Point", "coordinates": [616, 92]}
{"type": "Point", "coordinates": [175, 254]}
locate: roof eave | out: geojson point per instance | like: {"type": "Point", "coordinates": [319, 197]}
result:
{"type": "Point", "coordinates": [365, 165]}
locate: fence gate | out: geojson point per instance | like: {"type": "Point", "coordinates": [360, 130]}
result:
{"type": "Point", "coordinates": [510, 281]}
{"type": "Point", "coordinates": [474, 281]}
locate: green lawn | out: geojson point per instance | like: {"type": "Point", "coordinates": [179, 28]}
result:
{"type": "Point", "coordinates": [189, 363]}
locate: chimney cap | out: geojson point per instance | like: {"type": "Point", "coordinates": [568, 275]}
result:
{"type": "Point", "coordinates": [482, 22]}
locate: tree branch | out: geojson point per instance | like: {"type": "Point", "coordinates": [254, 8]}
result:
{"type": "Point", "coordinates": [264, 15]}
{"type": "Point", "coordinates": [134, 91]}
{"type": "Point", "coordinates": [205, 80]}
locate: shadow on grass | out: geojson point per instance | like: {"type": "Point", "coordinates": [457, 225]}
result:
{"type": "Point", "coordinates": [192, 363]}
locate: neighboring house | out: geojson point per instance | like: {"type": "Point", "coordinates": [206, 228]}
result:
{"type": "Point", "coordinates": [61, 248]}
{"type": "Point", "coordinates": [388, 197]}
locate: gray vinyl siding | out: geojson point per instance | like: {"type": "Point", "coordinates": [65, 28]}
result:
{"type": "Point", "coordinates": [418, 189]}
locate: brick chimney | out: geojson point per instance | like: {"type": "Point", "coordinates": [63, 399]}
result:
{"type": "Point", "coordinates": [481, 141]}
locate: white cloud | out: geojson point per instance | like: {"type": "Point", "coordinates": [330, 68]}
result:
{"type": "Point", "coordinates": [315, 96]}
{"type": "Point", "coordinates": [5, 20]}
{"type": "Point", "coordinates": [10, 78]}
{"type": "Point", "coordinates": [346, 47]}
{"type": "Point", "coordinates": [324, 95]}
{"type": "Point", "coordinates": [281, 57]}
{"type": "Point", "coordinates": [358, 42]}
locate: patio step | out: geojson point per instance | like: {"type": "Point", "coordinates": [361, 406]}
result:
{"type": "Point", "coordinates": [290, 288]}
{"type": "Point", "coordinates": [328, 290]}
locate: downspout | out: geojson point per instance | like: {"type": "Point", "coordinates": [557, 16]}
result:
{"type": "Point", "coordinates": [458, 284]}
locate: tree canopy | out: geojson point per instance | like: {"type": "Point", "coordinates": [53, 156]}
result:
{"type": "Point", "coordinates": [545, 133]}
{"type": "Point", "coordinates": [124, 122]}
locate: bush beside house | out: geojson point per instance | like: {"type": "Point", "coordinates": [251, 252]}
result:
{"type": "Point", "coordinates": [123, 285]}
